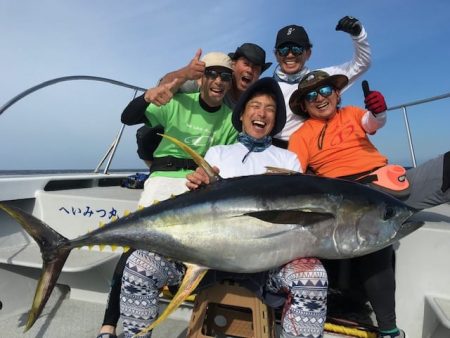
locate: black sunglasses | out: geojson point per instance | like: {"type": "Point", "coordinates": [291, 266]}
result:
{"type": "Point", "coordinates": [295, 50]}
{"type": "Point", "coordinates": [213, 74]}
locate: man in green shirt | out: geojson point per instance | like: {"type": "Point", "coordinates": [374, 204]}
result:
{"type": "Point", "coordinates": [200, 120]}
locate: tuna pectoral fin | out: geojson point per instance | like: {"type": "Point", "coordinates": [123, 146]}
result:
{"type": "Point", "coordinates": [192, 278]}
{"type": "Point", "coordinates": [301, 217]}
{"type": "Point", "coordinates": [54, 249]}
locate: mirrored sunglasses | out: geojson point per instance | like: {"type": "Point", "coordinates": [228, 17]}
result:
{"type": "Point", "coordinates": [325, 91]}
{"type": "Point", "coordinates": [213, 74]}
{"type": "Point", "coordinates": [295, 50]}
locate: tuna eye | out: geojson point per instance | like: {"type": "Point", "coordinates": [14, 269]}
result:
{"type": "Point", "coordinates": [388, 213]}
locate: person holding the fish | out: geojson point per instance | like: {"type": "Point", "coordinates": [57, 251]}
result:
{"type": "Point", "coordinates": [300, 285]}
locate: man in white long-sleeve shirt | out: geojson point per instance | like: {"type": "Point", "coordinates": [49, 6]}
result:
{"type": "Point", "coordinates": [293, 49]}
{"type": "Point", "coordinates": [301, 285]}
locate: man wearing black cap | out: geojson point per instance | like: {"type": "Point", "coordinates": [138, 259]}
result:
{"type": "Point", "coordinates": [293, 50]}
{"type": "Point", "coordinates": [249, 62]}
{"type": "Point", "coordinates": [301, 285]}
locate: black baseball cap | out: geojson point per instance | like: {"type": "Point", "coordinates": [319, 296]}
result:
{"type": "Point", "coordinates": [293, 34]}
{"type": "Point", "coordinates": [253, 53]}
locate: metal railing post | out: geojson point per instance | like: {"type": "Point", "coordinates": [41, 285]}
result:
{"type": "Point", "coordinates": [408, 132]}
{"type": "Point", "coordinates": [103, 158]}
{"type": "Point", "coordinates": [113, 147]}
{"type": "Point", "coordinates": [405, 117]}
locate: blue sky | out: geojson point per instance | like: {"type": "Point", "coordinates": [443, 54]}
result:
{"type": "Point", "coordinates": [70, 125]}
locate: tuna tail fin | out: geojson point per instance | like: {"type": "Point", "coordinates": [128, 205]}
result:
{"type": "Point", "coordinates": [54, 249]}
{"type": "Point", "coordinates": [198, 159]}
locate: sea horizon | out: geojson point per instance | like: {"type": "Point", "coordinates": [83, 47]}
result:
{"type": "Point", "coordinates": [64, 171]}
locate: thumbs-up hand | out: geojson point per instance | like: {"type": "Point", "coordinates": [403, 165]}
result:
{"type": "Point", "coordinates": [161, 94]}
{"type": "Point", "coordinates": [374, 100]}
{"type": "Point", "coordinates": [195, 68]}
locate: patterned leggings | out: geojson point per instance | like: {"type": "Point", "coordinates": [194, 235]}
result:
{"type": "Point", "coordinates": [303, 280]}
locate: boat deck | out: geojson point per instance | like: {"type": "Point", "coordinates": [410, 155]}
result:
{"type": "Point", "coordinates": [64, 317]}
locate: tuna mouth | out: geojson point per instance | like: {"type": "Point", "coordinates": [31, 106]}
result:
{"type": "Point", "coordinates": [409, 226]}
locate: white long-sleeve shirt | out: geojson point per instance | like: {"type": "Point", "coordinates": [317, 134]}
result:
{"type": "Point", "coordinates": [352, 69]}
{"type": "Point", "coordinates": [228, 158]}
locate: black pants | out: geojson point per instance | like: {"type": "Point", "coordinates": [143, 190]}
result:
{"type": "Point", "coordinates": [112, 312]}
{"type": "Point", "coordinates": [374, 275]}
{"type": "Point", "coordinates": [377, 273]}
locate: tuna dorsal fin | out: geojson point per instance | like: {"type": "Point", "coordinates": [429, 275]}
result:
{"type": "Point", "coordinates": [194, 274]}
{"type": "Point", "coordinates": [276, 170]}
{"type": "Point", "coordinates": [199, 160]}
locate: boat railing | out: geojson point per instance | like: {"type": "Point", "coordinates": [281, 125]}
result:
{"type": "Point", "coordinates": [109, 155]}
{"type": "Point", "coordinates": [406, 120]}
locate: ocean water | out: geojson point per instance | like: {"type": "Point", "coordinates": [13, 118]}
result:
{"type": "Point", "coordinates": [66, 171]}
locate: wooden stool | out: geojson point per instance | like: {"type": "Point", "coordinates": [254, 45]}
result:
{"type": "Point", "coordinates": [231, 310]}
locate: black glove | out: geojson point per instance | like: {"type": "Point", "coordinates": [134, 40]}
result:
{"type": "Point", "coordinates": [349, 25]}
